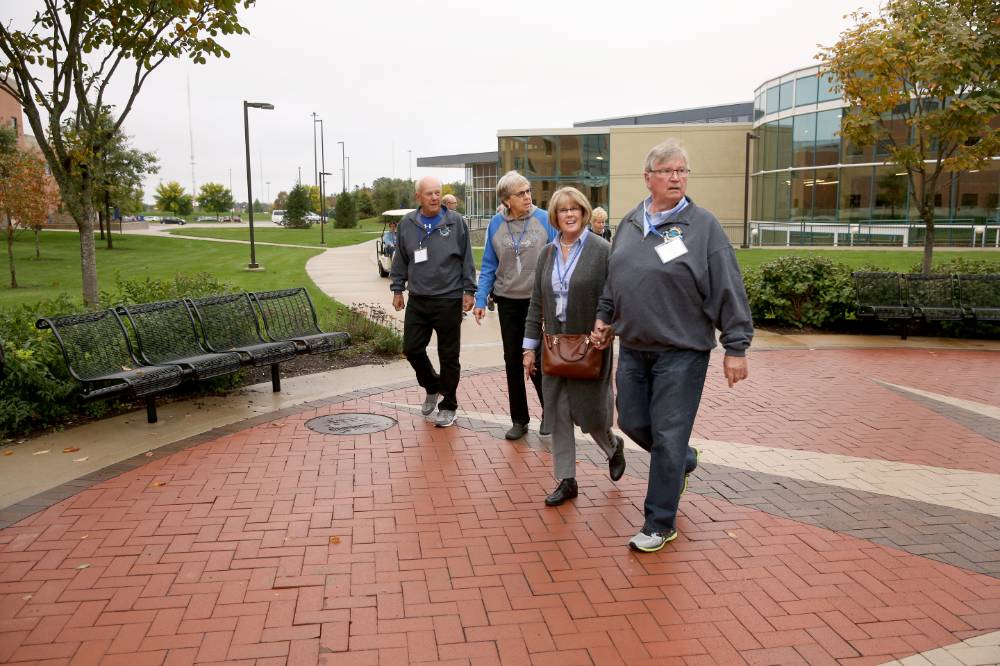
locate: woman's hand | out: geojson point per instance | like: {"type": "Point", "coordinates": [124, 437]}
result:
{"type": "Point", "coordinates": [528, 361]}
{"type": "Point", "coordinates": [602, 335]}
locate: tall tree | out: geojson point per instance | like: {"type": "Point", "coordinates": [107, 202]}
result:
{"type": "Point", "coordinates": [922, 78]}
{"type": "Point", "coordinates": [345, 215]}
{"type": "Point", "coordinates": [366, 207]}
{"type": "Point", "coordinates": [62, 66]}
{"type": "Point", "coordinates": [215, 198]}
{"type": "Point", "coordinates": [297, 206]}
{"type": "Point", "coordinates": [172, 198]}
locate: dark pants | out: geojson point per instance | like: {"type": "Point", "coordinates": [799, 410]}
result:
{"type": "Point", "coordinates": [658, 398]}
{"type": "Point", "coordinates": [512, 312]}
{"type": "Point", "coordinates": [443, 316]}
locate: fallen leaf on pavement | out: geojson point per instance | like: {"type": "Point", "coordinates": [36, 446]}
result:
{"type": "Point", "coordinates": [83, 566]}
{"type": "Point", "coordinates": [334, 540]}
{"type": "Point", "coordinates": [71, 449]}
{"type": "Point", "coordinates": [157, 484]}
{"type": "Point", "coordinates": [8, 453]}
{"type": "Point", "coordinates": [83, 459]}
{"type": "Point", "coordinates": [38, 453]}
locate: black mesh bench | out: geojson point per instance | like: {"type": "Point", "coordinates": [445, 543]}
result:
{"type": "Point", "coordinates": [229, 324]}
{"type": "Point", "coordinates": [880, 296]}
{"type": "Point", "coordinates": [979, 296]}
{"type": "Point", "coordinates": [166, 335]}
{"type": "Point", "coordinates": [289, 314]}
{"type": "Point", "coordinates": [933, 297]}
{"type": "Point", "coordinates": [99, 355]}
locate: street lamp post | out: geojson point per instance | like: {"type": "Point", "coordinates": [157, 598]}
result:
{"type": "Point", "coordinates": [322, 195]}
{"type": "Point", "coordinates": [322, 185]}
{"type": "Point", "coordinates": [246, 139]}
{"type": "Point", "coordinates": [348, 170]}
{"type": "Point", "coordinates": [343, 168]}
{"type": "Point", "coordinates": [746, 193]}
{"type": "Point", "coordinates": [409, 164]}
{"type": "Point", "coordinates": [315, 163]}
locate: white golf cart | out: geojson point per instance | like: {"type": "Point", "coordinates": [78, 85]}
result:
{"type": "Point", "coordinates": [385, 246]}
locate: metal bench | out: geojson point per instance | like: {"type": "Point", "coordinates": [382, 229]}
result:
{"type": "Point", "coordinates": [933, 297]}
{"type": "Point", "coordinates": [99, 355]}
{"type": "Point", "coordinates": [289, 314]}
{"type": "Point", "coordinates": [880, 296]}
{"type": "Point", "coordinates": [166, 334]}
{"type": "Point", "coordinates": [979, 296]}
{"type": "Point", "coordinates": [229, 324]}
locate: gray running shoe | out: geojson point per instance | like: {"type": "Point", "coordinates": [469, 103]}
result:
{"type": "Point", "coordinates": [430, 404]}
{"type": "Point", "coordinates": [650, 543]}
{"type": "Point", "coordinates": [445, 418]}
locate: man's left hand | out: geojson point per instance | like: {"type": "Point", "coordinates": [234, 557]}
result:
{"type": "Point", "coordinates": [468, 300]}
{"type": "Point", "coordinates": [735, 369]}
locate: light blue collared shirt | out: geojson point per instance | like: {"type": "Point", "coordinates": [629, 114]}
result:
{"type": "Point", "coordinates": [651, 220]}
{"type": "Point", "coordinates": [561, 276]}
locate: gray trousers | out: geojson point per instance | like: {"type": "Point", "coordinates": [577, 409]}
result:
{"type": "Point", "coordinates": [564, 438]}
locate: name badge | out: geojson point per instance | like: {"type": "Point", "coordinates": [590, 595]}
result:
{"type": "Point", "coordinates": [670, 251]}
{"type": "Point", "coordinates": [420, 256]}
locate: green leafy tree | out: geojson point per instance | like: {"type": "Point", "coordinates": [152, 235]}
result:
{"type": "Point", "coordinates": [172, 198]}
{"type": "Point", "coordinates": [258, 207]}
{"type": "Point", "coordinates": [281, 201]}
{"type": "Point", "coordinates": [296, 207]}
{"type": "Point", "coordinates": [393, 193]}
{"type": "Point", "coordinates": [346, 215]}
{"type": "Point", "coordinates": [931, 67]}
{"type": "Point", "coordinates": [65, 64]}
{"type": "Point", "coordinates": [215, 198]}
{"type": "Point", "coordinates": [314, 202]}
{"type": "Point", "coordinates": [365, 205]}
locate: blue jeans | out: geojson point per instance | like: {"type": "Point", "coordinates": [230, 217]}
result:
{"type": "Point", "coordinates": [658, 398]}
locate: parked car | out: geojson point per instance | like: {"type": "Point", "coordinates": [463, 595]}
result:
{"type": "Point", "coordinates": [278, 217]}
{"type": "Point", "coordinates": [173, 220]}
{"type": "Point", "coordinates": [205, 218]}
{"type": "Point", "coordinates": [312, 217]}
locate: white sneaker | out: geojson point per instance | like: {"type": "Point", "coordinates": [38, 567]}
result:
{"type": "Point", "coordinates": [650, 543]}
{"type": "Point", "coordinates": [445, 418]}
{"type": "Point", "coordinates": [430, 404]}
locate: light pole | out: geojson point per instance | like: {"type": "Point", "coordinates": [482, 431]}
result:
{"type": "Point", "coordinates": [315, 163]}
{"type": "Point", "coordinates": [322, 196]}
{"type": "Point", "coordinates": [322, 187]}
{"type": "Point", "coordinates": [348, 170]}
{"type": "Point", "coordinates": [343, 167]}
{"type": "Point", "coordinates": [409, 164]}
{"type": "Point", "coordinates": [746, 193]}
{"type": "Point", "coordinates": [246, 138]}
{"type": "Point", "coordinates": [268, 183]}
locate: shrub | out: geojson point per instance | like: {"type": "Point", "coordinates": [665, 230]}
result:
{"type": "Point", "coordinates": [800, 291]}
{"type": "Point", "coordinates": [961, 265]}
{"type": "Point", "coordinates": [296, 208]}
{"type": "Point", "coordinates": [345, 214]}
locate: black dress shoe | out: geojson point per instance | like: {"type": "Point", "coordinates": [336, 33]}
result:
{"type": "Point", "coordinates": [517, 431]}
{"type": "Point", "coordinates": [565, 490]}
{"type": "Point", "coordinates": [616, 463]}
{"type": "Point", "coordinates": [544, 428]}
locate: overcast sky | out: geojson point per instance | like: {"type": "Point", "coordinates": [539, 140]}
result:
{"type": "Point", "coordinates": [391, 76]}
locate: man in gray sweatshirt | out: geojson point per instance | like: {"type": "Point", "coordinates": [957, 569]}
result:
{"type": "Point", "coordinates": [433, 261]}
{"type": "Point", "coordinates": [672, 281]}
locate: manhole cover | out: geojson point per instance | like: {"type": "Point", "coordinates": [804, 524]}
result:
{"type": "Point", "coordinates": [350, 424]}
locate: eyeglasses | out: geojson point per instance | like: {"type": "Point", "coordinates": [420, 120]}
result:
{"type": "Point", "coordinates": [670, 173]}
{"type": "Point", "coordinates": [522, 193]}
{"type": "Point", "coordinates": [567, 211]}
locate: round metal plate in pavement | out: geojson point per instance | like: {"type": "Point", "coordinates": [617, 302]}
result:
{"type": "Point", "coordinates": [350, 424]}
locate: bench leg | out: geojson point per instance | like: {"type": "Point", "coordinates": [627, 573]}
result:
{"type": "Point", "coordinates": [902, 333]}
{"type": "Point", "coordinates": [150, 409]}
{"type": "Point", "coordinates": [275, 379]}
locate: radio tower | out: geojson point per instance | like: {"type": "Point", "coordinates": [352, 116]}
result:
{"type": "Point", "coordinates": [194, 182]}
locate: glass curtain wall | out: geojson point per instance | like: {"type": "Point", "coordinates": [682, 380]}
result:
{"type": "Point", "coordinates": [803, 171]}
{"type": "Point", "coordinates": [481, 194]}
{"type": "Point", "coordinates": [553, 161]}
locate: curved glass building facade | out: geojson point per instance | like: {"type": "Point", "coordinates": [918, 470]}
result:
{"type": "Point", "coordinates": [803, 172]}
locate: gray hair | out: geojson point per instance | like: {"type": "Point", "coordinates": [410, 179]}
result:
{"type": "Point", "coordinates": [418, 185]}
{"type": "Point", "coordinates": [599, 214]}
{"type": "Point", "coordinates": [664, 152]}
{"type": "Point", "coordinates": [508, 184]}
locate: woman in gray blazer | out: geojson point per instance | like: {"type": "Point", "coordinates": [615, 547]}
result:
{"type": "Point", "coordinates": [569, 280]}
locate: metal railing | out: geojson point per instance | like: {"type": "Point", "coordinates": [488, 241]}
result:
{"type": "Point", "coordinates": [956, 232]}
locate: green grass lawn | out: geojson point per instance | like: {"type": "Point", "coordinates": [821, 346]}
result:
{"type": "Point", "coordinates": [900, 261]}
{"type": "Point", "coordinates": [266, 232]}
{"type": "Point", "coordinates": [136, 257]}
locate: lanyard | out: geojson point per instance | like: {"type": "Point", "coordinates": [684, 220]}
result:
{"type": "Point", "coordinates": [563, 276]}
{"type": "Point", "coordinates": [517, 244]}
{"type": "Point", "coordinates": [652, 227]}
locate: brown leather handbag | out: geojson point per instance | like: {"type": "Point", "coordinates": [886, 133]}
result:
{"type": "Point", "coordinates": [571, 355]}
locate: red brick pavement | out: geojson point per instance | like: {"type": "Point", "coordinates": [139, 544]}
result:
{"type": "Point", "coordinates": [829, 401]}
{"type": "Point", "coordinates": [279, 545]}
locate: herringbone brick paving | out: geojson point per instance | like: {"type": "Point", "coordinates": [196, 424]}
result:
{"type": "Point", "coordinates": [275, 544]}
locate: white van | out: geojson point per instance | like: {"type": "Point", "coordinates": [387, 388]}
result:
{"type": "Point", "coordinates": [278, 217]}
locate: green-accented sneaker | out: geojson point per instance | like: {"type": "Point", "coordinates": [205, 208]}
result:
{"type": "Point", "coordinates": [650, 543]}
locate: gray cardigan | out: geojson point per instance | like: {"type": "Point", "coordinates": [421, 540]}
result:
{"type": "Point", "coordinates": [590, 401]}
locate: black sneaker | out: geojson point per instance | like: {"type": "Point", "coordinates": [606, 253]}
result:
{"type": "Point", "coordinates": [616, 463]}
{"type": "Point", "coordinates": [517, 431]}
